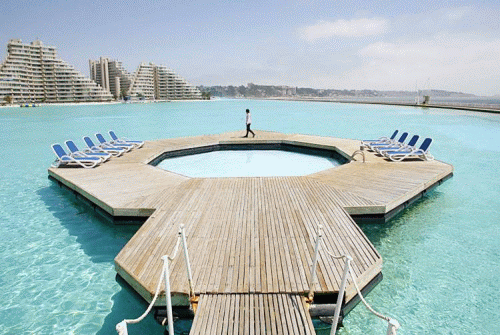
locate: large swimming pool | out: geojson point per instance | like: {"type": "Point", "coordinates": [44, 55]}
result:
{"type": "Point", "coordinates": [441, 256]}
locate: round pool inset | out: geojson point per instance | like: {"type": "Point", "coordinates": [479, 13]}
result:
{"type": "Point", "coordinates": [247, 163]}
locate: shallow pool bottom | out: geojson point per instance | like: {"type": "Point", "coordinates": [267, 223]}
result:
{"type": "Point", "coordinates": [248, 161]}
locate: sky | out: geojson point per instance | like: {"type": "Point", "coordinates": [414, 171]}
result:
{"type": "Point", "coordinates": [333, 44]}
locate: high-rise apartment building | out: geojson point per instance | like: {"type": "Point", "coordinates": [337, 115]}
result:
{"type": "Point", "coordinates": [111, 76]}
{"type": "Point", "coordinates": [170, 86]}
{"type": "Point", "coordinates": [34, 73]}
{"type": "Point", "coordinates": [143, 82]}
{"type": "Point", "coordinates": [151, 81]}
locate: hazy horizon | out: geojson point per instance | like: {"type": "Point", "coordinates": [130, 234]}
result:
{"type": "Point", "coordinates": [396, 46]}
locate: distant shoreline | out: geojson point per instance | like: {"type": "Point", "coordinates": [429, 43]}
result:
{"type": "Point", "coordinates": [305, 99]}
{"type": "Point", "coordinates": [390, 103]}
{"type": "Point", "coordinates": [42, 104]}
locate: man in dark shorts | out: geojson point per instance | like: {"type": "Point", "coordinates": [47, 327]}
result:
{"type": "Point", "coordinates": [249, 122]}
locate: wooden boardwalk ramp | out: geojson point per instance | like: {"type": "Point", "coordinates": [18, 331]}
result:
{"type": "Point", "coordinates": [248, 314]}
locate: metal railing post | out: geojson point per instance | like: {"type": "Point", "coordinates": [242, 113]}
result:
{"type": "Point", "coordinates": [340, 298]}
{"type": "Point", "coordinates": [361, 152]}
{"type": "Point", "coordinates": [168, 298]}
{"type": "Point", "coordinates": [315, 261]}
{"type": "Point", "coordinates": [186, 259]}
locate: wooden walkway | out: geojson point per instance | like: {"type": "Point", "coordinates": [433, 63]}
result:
{"type": "Point", "coordinates": [251, 240]}
{"type": "Point", "coordinates": [249, 235]}
{"type": "Point", "coordinates": [252, 314]}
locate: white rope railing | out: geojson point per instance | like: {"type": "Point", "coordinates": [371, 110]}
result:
{"type": "Point", "coordinates": [393, 325]}
{"type": "Point", "coordinates": [121, 327]}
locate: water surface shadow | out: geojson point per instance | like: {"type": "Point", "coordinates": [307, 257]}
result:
{"type": "Point", "coordinates": [100, 239]}
{"type": "Point", "coordinates": [378, 232]}
{"type": "Point", "coordinates": [128, 304]}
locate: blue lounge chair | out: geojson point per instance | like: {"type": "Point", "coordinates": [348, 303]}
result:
{"type": "Point", "coordinates": [63, 159]}
{"type": "Point", "coordinates": [365, 143]}
{"type": "Point", "coordinates": [422, 152]}
{"type": "Point", "coordinates": [75, 152]}
{"type": "Point", "coordinates": [115, 139]}
{"type": "Point", "coordinates": [399, 146]}
{"type": "Point", "coordinates": [397, 143]}
{"type": "Point", "coordinates": [104, 143]}
{"type": "Point", "coordinates": [92, 146]}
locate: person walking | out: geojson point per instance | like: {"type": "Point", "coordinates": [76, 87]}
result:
{"type": "Point", "coordinates": [249, 122]}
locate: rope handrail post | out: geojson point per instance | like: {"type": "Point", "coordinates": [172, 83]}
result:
{"type": "Point", "coordinates": [340, 297]}
{"type": "Point", "coordinates": [121, 327]}
{"type": "Point", "coordinates": [168, 297]}
{"type": "Point", "coordinates": [392, 327]}
{"type": "Point", "coordinates": [186, 259]}
{"type": "Point", "coordinates": [310, 296]}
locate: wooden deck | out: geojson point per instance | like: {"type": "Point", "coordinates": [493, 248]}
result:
{"type": "Point", "coordinates": [251, 240]}
{"type": "Point", "coordinates": [248, 235]}
{"type": "Point", "coordinates": [252, 314]}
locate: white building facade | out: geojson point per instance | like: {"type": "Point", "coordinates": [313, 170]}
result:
{"type": "Point", "coordinates": [157, 82]}
{"type": "Point", "coordinates": [171, 86]}
{"type": "Point", "coordinates": [34, 73]}
{"type": "Point", "coordinates": [111, 76]}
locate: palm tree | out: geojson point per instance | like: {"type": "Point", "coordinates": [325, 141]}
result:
{"type": "Point", "coordinates": [123, 94]}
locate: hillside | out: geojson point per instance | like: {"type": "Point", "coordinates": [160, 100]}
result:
{"type": "Point", "coordinates": [268, 91]}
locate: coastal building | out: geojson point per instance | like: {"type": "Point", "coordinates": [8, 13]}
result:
{"type": "Point", "coordinates": [34, 73]}
{"type": "Point", "coordinates": [143, 83]}
{"type": "Point", "coordinates": [111, 76]}
{"type": "Point", "coordinates": [170, 85]}
{"type": "Point", "coordinates": [289, 91]}
{"type": "Point", "coordinates": [157, 82]}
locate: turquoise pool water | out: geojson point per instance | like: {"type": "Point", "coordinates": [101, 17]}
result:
{"type": "Point", "coordinates": [247, 163]}
{"type": "Point", "coordinates": [441, 256]}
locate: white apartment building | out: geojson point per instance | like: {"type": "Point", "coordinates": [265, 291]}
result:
{"type": "Point", "coordinates": [149, 82]}
{"type": "Point", "coordinates": [171, 86]}
{"type": "Point", "coordinates": [34, 73]}
{"type": "Point", "coordinates": [143, 82]}
{"type": "Point", "coordinates": [111, 76]}
{"type": "Point", "coordinates": [157, 82]}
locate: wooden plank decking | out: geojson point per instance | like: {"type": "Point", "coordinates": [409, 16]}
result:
{"type": "Point", "coordinates": [251, 240]}
{"type": "Point", "coordinates": [249, 235]}
{"type": "Point", "coordinates": [252, 314]}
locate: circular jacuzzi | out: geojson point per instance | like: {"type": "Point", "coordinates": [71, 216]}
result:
{"type": "Point", "coordinates": [250, 160]}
